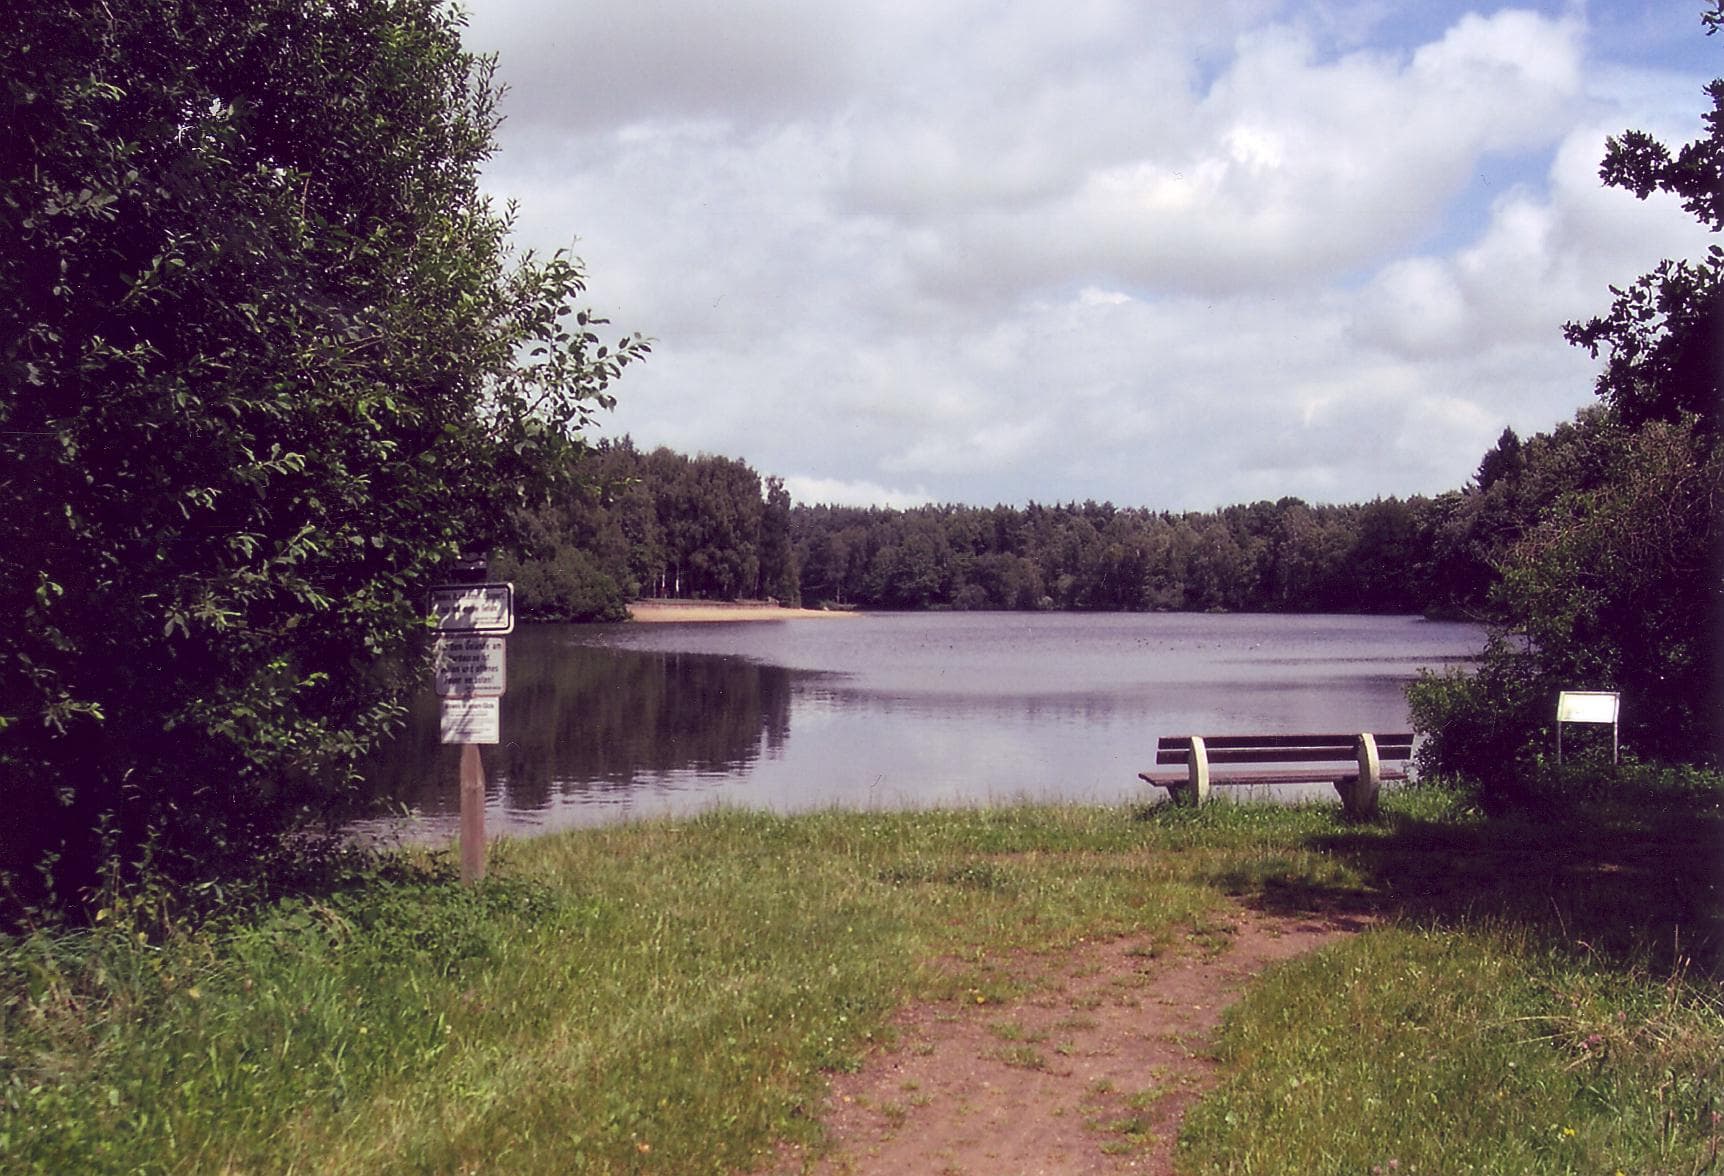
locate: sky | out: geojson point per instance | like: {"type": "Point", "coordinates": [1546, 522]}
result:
{"type": "Point", "coordinates": [1175, 254]}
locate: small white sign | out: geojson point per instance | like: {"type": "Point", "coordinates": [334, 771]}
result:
{"type": "Point", "coordinates": [471, 720]}
{"type": "Point", "coordinates": [470, 667]}
{"type": "Point", "coordinates": [474, 608]}
{"type": "Point", "coordinates": [1586, 706]}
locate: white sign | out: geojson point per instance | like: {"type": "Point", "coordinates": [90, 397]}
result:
{"type": "Point", "coordinates": [1586, 706]}
{"type": "Point", "coordinates": [471, 720]}
{"type": "Point", "coordinates": [470, 667]}
{"type": "Point", "coordinates": [474, 608]}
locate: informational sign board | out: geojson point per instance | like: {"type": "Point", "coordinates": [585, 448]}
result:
{"type": "Point", "coordinates": [474, 608]}
{"type": "Point", "coordinates": [470, 667]}
{"type": "Point", "coordinates": [471, 720]}
{"type": "Point", "coordinates": [1586, 706]}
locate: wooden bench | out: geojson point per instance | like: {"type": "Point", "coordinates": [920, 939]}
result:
{"type": "Point", "coordinates": [1358, 788]}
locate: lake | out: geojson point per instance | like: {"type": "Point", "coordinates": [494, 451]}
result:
{"type": "Point", "coordinates": [608, 722]}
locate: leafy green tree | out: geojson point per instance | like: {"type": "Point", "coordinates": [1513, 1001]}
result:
{"type": "Point", "coordinates": [1613, 579]}
{"type": "Point", "coordinates": [1664, 334]}
{"type": "Point", "coordinates": [777, 557]}
{"type": "Point", "coordinates": [1384, 557]}
{"type": "Point", "coordinates": [268, 363]}
{"type": "Point", "coordinates": [1612, 585]}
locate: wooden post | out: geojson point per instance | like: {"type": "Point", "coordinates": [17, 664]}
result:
{"type": "Point", "coordinates": [472, 814]}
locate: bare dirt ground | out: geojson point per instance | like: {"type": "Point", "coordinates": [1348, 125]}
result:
{"type": "Point", "coordinates": [1091, 1072]}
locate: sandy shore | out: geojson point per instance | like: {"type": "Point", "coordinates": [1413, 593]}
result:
{"type": "Point", "coordinates": [661, 611]}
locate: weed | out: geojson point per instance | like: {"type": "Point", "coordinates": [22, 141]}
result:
{"type": "Point", "coordinates": [1025, 1057]}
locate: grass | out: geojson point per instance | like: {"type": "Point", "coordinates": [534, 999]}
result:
{"type": "Point", "coordinates": [1547, 998]}
{"type": "Point", "coordinates": [669, 996]}
{"type": "Point", "coordinates": [1453, 1052]}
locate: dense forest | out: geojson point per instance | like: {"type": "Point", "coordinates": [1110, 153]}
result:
{"type": "Point", "coordinates": [664, 524]}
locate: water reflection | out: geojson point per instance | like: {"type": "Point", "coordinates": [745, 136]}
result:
{"type": "Point", "coordinates": [603, 722]}
{"type": "Point", "coordinates": [588, 726]}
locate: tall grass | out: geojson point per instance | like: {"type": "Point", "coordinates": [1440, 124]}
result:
{"type": "Point", "coordinates": [669, 996]}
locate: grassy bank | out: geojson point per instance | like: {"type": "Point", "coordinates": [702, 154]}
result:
{"type": "Point", "coordinates": [667, 997]}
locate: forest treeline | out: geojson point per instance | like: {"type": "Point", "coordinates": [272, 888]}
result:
{"type": "Point", "coordinates": [661, 523]}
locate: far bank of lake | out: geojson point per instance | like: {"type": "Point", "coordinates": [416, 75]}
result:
{"type": "Point", "coordinates": [608, 722]}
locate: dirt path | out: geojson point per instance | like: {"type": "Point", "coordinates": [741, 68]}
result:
{"type": "Point", "coordinates": [1090, 1073]}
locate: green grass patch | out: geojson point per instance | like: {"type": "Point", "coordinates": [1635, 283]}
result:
{"type": "Point", "coordinates": [1546, 998]}
{"type": "Point", "coordinates": [1453, 1052]}
{"type": "Point", "coordinates": [670, 996]}
{"type": "Point", "coordinates": [655, 996]}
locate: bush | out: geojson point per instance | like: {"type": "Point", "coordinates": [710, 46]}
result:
{"type": "Point", "coordinates": [1489, 726]}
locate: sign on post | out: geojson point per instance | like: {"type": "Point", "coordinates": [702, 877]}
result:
{"type": "Point", "coordinates": [472, 673]}
{"type": "Point", "coordinates": [1587, 706]}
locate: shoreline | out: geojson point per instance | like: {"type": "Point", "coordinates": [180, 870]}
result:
{"type": "Point", "coordinates": [653, 612]}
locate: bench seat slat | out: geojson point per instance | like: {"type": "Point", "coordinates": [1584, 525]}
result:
{"type": "Point", "coordinates": [1213, 742]}
{"type": "Point", "coordinates": [1271, 749]}
{"type": "Point", "coordinates": [1265, 755]}
{"type": "Point", "coordinates": [1289, 776]}
{"type": "Point", "coordinates": [1286, 755]}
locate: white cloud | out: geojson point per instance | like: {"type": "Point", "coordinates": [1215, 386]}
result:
{"type": "Point", "coordinates": [1172, 254]}
{"type": "Point", "coordinates": [834, 492]}
{"type": "Point", "coordinates": [1291, 168]}
{"type": "Point", "coordinates": [1543, 258]}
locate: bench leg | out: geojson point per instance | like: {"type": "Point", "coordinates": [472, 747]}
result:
{"type": "Point", "coordinates": [1196, 790]}
{"type": "Point", "coordinates": [1359, 794]}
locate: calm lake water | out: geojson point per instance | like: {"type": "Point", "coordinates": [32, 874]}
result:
{"type": "Point", "coordinates": [607, 722]}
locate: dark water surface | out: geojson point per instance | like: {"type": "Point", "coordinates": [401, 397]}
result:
{"type": "Point", "coordinates": [606, 722]}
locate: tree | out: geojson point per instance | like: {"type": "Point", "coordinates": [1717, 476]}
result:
{"type": "Point", "coordinates": [1665, 333]}
{"type": "Point", "coordinates": [268, 364]}
{"type": "Point", "coordinates": [777, 558]}
{"type": "Point", "coordinates": [1612, 581]}
{"type": "Point", "coordinates": [1504, 461]}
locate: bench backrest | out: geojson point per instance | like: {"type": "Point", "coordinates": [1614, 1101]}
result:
{"type": "Point", "coordinates": [1280, 749]}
